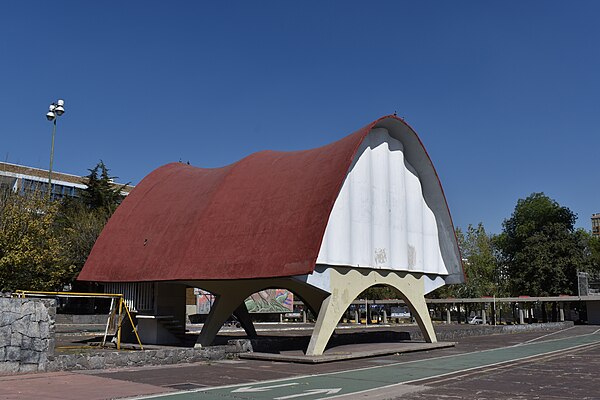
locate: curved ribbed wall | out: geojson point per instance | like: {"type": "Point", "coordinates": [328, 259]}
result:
{"type": "Point", "coordinates": [380, 218]}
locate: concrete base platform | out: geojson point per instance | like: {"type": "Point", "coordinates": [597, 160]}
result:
{"type": "Point", "coordinates": [348, 352]}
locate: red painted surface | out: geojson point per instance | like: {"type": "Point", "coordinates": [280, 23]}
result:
{"type": "Point", "coordinates": [263, 216]}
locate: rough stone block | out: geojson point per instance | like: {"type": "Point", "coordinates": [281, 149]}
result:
{"type": "Point", "coordinates": [146, 356]}
{"type": "Point", "coordinates": [13, 353]}
{"type": "Point", "coordinates": [39, 313]}
{"type": "Point", "coordinates": [7, 317]}
{"type": "Point", "coordinates": [96, 362]}
{"type": "Point", "coordinates": [68, 361]}
{"type": "Point", "coordinates": [39, 344]}
{"type": "Point", "coordinates": [5, 335]}
{"type": "Point", "coordinates": [241, 345]}
{"type": "Point", "coordinates": [16, 339]}
{"type": "Point", "coordinates": [21, 325]}
{"type": "Point", "coordinates": [34, 330]}
{"type": "Point", "coordinates": [113, 357]}
{"type": "Point", "coordinates": [9, 366]}
{"type": "Point", "coordinates": [83, 362]}
{"type": "Point", "coordinates": [135, 357]}
{"type": "Point", "coordinates": [120, 361]}
{"type": "Point", "coordinates": [28, 307]}
{"type": "Point", "coordinates": [23, 368]}
{"type": "Point", "coordinates": [30, 356]}
{"type": "Point", "coordinates": [26, 342]}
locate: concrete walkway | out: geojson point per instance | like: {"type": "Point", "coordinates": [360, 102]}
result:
{"type": "Point", "coordinates": [71, 386]}
{"type": "Point", "coordinates": [386, 377]}
{"type": "Point", "coordinates": [469, 360]}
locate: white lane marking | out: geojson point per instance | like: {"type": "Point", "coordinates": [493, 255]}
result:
{"type": "Point", "coordinates": [250, 389]}
{"type": "Point", "coordinates": [464, 370]}
{"type": "Point", "coordinates": [549, 334]}
{"type": "Point", "coordinates": [371, 367]}
{"type": "Point", "coordinates": [310, 393]}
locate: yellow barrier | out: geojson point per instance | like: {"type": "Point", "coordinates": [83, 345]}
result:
{"type": "Point", "coordinates": [121, 305]}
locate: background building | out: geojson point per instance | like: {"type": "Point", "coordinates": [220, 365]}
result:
{"type": "Point", "coordinates": [596, 224]}
{"type": "Point", "coordinates": [23, 179]}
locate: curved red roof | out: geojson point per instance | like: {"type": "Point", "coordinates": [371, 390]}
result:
{"type": "Point", "coordinates": [263, 216]}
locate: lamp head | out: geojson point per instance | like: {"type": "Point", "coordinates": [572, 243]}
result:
{"type": "Point", "coordinates": [51, 116]}
{"type": "Point", "coordinates": [59, 110]}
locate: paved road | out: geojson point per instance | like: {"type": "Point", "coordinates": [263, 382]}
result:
{"type": "Point", "coordinates": [556, 365]}
{"type": "Point", "coordinates": [399, 378]}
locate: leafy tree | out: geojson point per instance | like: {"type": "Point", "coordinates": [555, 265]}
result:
{"type": "Point", "coordinates": [593, 246]}
{"type": "Point", "coordinates": [541, 251]}
{"type": "Point", "coordinates": [44, 243]}
{"type": "Point", "coordinates": [82, 219]}
{"type": "Point", "coordinates": [480, 262]}
{"type": "Point", "coordinates": [78, 228]}
{"type": "Point", "coordinates": [31, 255]}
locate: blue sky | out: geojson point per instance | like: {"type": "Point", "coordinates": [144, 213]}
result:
{"type": "Point", "coordinates": [505, 95]}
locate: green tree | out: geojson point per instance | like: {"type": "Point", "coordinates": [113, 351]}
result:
{"type": "Point", "coordinates": [540, 249]}
{"type": "Point", "coordinates": [593, 245]}
{"type": "Point", "coordinates": [480, 263]}
{"type": "Point", "coordinates": [31, 254]}
{"type": "Point", "coordinates": [101, 192]}
{"type": "Point", "coordinates": [81, 220]}
{"type": "Point", "coordinates": [78, 228]}
{"type": "Point", "coordinates": [44, 243]}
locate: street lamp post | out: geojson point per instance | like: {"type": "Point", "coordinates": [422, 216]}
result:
{"type": "Point", "coordinates": [54, 111]}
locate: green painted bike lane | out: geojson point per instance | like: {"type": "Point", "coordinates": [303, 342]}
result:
{"type": "Point", "coordinates": [358, 380]}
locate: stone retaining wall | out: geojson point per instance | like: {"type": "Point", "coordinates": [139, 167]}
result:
{"type": "Point", "coordinates": [111, 359]}
{"type": "Point", "coordinates": [270, 344]}
{"type": "Point", "coordinates": [484, 330]}
{"type": "Point", "coordinates": [26, 334]}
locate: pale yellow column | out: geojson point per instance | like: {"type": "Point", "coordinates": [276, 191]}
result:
{"type": "Point", "coordinates": [347, 284]}
{"type": "Point", "coordinates": [412, 291]}
{"type": "Point", "coordinates": [327, 320]}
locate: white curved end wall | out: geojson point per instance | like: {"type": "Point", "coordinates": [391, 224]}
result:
{"type": "Point", "coordinates": [380, 219]}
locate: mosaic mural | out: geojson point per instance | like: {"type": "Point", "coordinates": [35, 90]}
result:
{"type": "Point", "coordinates": [265, 301]}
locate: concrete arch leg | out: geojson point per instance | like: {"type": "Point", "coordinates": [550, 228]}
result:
{"type": "Point", "coordinates": [221, 309]}
{"type": "Point", "coordinates": [348, 283]}
{"type": "Point", "coordinates": [415, 300]}
{"type": "Point", "coordinates": [230, 296]}
{"type": "Point", "coordinates": [229, 299]}
{"type": "Point", "coordinates": [242, 314]}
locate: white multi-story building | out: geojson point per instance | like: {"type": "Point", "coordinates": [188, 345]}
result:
{"type": "Point", "coordinates": [24, 179]}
